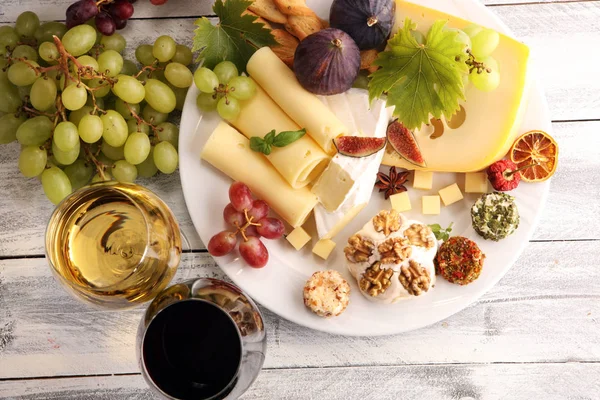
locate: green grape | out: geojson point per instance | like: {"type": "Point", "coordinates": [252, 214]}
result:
{"type": "Point", "coordinates": [133, 126]}
{"type": "Point", "coordinates": [168, 132]}
{"type": "Point", "coordinates": [115, 128]}
{"type": "Point", "coordinates": [124, 171]}
{"type": "Point", "coordinates": [32, 161]}
{"type": "Point", "coordinates": [241, 88]}
{"type": "Point", "coordinates": [207, 101]}
{"type": "Point", "coordinates": [129, 68]}
{"type": "Point", "coordinates": [27, 23]}
{"type": "Point", "coordinates": [178, 75]}
{"type": "Point", "coordinates": [43, 93]}
{"type": "Point", "coordinates": [144, 55]}
{"type": "Point", "coordinates": [74, 97]}
{"type": "Point", "coordinates": [3, 72]}
{"type": "Point", "coordinates": [79, 173]}
{"type": "Point", "coordinates": [154, 117]}
{"type": "Point", "coordinates": [24, 51]}
{"type": "Point", "coordinates": [484, 43]}
{"type": "Point", "coordinates": [76, 116]}
{"type": "Point", "coordinates": [419, 37]}
{"type": "Point", "coordinates": [9, 97]}
{"type": "Point", "coordinates": [9, 124]}
{"type": "Point", "coordinates": [486, 81]}
{"type": "Point", "coordinates": [114, 42]}
{"type": "Point", "coordinates": [49, 52]}
{"type": "Point", "coordinates": [8, 39]}
{"type": "Point", "coordinates": [228, 108]}
{"type": "Point", "coordinates": [90, 128]}
{"type": "Point", "coordinates": [110, 63]}
{"type": "Point", "coordinates": [129, 89]}
{"type": "Point", "coordinates": [87, 61]}
{"type": "Point", "coordinates": [97, 178]}
{"type": "Point", "coordinates": [24, 92]}
{"type": "Point", "coordinates": [48, 29]}
{"type": "Point", "coordinates": [137, 148]}
{"type": "Point", "coordinates": [206, 80]}
{"type": "Point", "coordinates": [225, 71]}
{"type": "Point", "coordinates": [66, 136]}
{"type": "Point", "coordinates": [65, 157]}
{"type": "Point", "coordinates": [98, 83]}
{"type": "Point", "coordinates": [56, 184]}
{"type": "Point", "coordinates": [79, 39]}
{"type": "Point", "coordinates": [165, 157]}
{"type": "Point", "coordinates": [55, 76]}
{"type": "Point", "coordinates": [164, 48]}
{"type": "Point", "coordinates": [147, 168]}
{"type": "Point", "coordinates": [22, 74]}
{"type": "Point", "coordinates": [180, 95]}
{"type": "Point", "coordinates": [127, 112]}
{"type": "Point", "coordinates": [35, 131]}
{"type": "Point", "coordinates": [105, 160]}
{"type": "Point", "coordinates": [160, 96]}
{"type": "Point", "coordinates": [114, 153]}
{"type": "Point", "coordinates": [183, 55]}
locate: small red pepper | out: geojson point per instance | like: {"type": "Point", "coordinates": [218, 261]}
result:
{"type": "Point", "coordinates": [504, 175]}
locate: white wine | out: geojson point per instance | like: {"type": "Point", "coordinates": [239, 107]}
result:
{"type": "Point", "coordinates": [114, 244]}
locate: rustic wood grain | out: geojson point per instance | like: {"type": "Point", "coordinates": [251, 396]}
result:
{"type": "Point", "coordinates": [439, 382]}
{"type": "Point", "coordinates": [537, 313]}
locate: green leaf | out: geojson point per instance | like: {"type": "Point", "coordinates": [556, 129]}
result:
{"type": "Point", "coordinates": [260, 145]}
{"type": "Point", "coordinates": [288, 137]}
{"type": "Point", "coordinates": [421, 81]}
{"type": "Point", "coordinates": [235, 38]}
{"type": "Point", "coordinates": [270, 137]}
{"type": "Point", "coordinates": [441, 233]}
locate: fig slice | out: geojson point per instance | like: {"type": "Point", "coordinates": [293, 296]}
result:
{"type": "Point", "coordinates": [357, 146]}
{"type": "Point", "coordinates": [405, 144]}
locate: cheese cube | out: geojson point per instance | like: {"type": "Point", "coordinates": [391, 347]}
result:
{"type": "Point", "coordinates": [400, 201]}
{"type": "Point", "coordinates": [476, 182]}
{"type": "Point", "coordinates": [431, 205]}
{"type": "Point", "coordinates": [423, 180]}
{"type": "Point", "coordinates": [298, 238]}
{"type": "Point", "coordinates": [450, 194]}
{"type": "Point", "coordinates": [323, 248]}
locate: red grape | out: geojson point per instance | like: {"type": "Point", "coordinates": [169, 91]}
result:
{"type": "Point", "coordinates": [233, 217]}
{"type": "Point", "coordinates": [120, 23]}
{"type": "Point", "coordinates": [254, 252]}
{"type": "Point", "coordinates": [240, 196]}
{"type": "Point", "coordinates": [271, 228]}
{"type": "Point", "coordinates": [158, 2]}
{"type": "Point", "coordinates": [222, 243]}
{"type": "Point", "coordinates": [252, 231]}
{"type": "Point", "coordinates": [259, 210]}
{"type": "Point", "coordinates": [121, 9]}
{"type": "Point", "coordinates": [105, 24]}
{"type": "Point", "coordinates": [81, 11]}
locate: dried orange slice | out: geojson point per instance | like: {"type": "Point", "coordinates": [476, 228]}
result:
{"type": "Point", "coordinates": [535, 147]}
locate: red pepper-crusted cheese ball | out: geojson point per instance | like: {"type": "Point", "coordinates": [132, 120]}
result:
{"type": "Point", "coordinates": [459, 260]}
{"type": "Point", "coordinates": [326, 293]}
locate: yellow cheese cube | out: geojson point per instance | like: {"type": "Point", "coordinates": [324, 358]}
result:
{"type": "Point", "coordinates": [323, 248]}
{"type": "Point", "coordinates": [431, 205]}
{"type": "Point", "coordinates": [423, 180]}
{"type": "Point", "coordinates": [298, 238]}
{"type": "Point", "coordinates": [476, 182]}
{"type": "Point", "coordinates": [400, 201]}
{"type": "Point", "coordinates": [451, 194]}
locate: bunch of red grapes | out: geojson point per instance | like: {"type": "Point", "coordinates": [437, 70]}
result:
{"type": "Point", "coordinates": [250, 220]}
{"type": "Point", "coordinates": [110, 15]}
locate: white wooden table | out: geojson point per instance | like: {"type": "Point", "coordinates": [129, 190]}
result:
{"type": "Point", "coordinates": [536, 335]}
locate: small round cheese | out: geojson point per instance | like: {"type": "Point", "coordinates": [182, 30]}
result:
{"type": "Point", "coordinates": [495, 216]}
{"type": "Point", "coordinates": [327, 293]}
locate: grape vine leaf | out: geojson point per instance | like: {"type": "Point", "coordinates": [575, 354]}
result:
{"type": "Point", "coordinates": [421, 81]}
{"type": "Point", "coordinates": [235, 37]}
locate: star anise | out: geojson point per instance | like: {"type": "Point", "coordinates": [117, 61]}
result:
{"type": "Point", "coordinates": [392, 183]}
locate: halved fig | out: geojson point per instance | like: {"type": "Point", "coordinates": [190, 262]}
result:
{"type": "Point", "coordinates": [357, 146]}
{"type": "Point", "coordinates": [405, 144]}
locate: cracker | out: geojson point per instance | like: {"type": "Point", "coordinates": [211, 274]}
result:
{"type": "Point", "coordinates": [302, 26]}
{"type": "Point", "coordinates": [268, 10]}
{"type": "Point", "coordinates": [293, 7]}
{"type": "Point", "coordinates": [287, 46]}
{"type": "Point", "coordinates": [259, 19]}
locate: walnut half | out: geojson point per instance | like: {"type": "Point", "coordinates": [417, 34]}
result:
{"type": "Point", "coordinates": [394, 250]}
{"type": "Point", "coordinates": [388, 221]}
{"type": "Point", "coordinates": [414, 278]}
{"type": "Point", "coordinates": [358, 249]}
{"type": "Point", "coordinates": [420, 235]}
{"type": "Point", "coordinates": [376, 280]}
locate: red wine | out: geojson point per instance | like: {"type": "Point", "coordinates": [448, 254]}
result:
{"type": "Point", "coordinates": [192, 350]}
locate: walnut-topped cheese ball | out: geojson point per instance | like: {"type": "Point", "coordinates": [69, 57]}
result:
{"type": "Point", "coordinates": [391, 258]}
{"type": "Point", "coordinates": [327, 293]}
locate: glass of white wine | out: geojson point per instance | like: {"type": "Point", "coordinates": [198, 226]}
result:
{"type": "Point", "coordinates": [114, 245]}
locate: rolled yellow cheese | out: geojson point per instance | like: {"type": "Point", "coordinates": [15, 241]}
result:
{"type": "Point", "coordinates": [229, 151]}
{"type": "Point", "coordinates": [302, 106]}
{"type": "Point", "coordinates": [300, 162]}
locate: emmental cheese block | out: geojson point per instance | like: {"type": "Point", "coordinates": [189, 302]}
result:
{"type": "Point", "coordinates": [476, 182]}
{"type": "Point", "coordinates": [298, 238]}
{"type": "Point", "coordinates": [492, 118]}
{"type": "Point", "coordinates": [303, 107]}
{"type": "Point", "coordinates": [300, 162]}
{"type": "Point", "coordinates": [323, 248]}
{"type": "Point", "coordinates": [229, 151]}
{"type": "Point", "coordinates": [450, 194]}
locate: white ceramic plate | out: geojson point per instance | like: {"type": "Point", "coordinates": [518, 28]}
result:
{"type": "Point", "coordinates": [279, 285]}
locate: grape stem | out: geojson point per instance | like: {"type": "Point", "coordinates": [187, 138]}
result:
{"type": "Point", "coordinates": [100, 167]}
{"type": "Point", "coordinates": [242, 229]}
{"type": "Point", "coordinates": [150, 68]}
{"type": "Point", "coordinates": [475, 65]}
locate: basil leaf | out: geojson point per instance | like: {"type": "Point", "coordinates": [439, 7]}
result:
{"type": "Point", "coordinates": [260, 145]}
{"type": "Point", "coordinates": [288, 137]}
{"type": "Point", "coordinates": [435, 227]}
{"type": "Point", "coordinates": [269, 137]}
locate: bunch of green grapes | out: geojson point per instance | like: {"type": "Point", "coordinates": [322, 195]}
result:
{"type": "Point", "coordinates": [81, 112]}
{"type": "Point", "coordinates": [483, 68]}
{"type": "Point", "coordinates": [222, 88]}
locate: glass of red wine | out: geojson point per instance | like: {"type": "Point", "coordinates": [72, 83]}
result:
{"type": "Point", "coordinates": [201, 339]}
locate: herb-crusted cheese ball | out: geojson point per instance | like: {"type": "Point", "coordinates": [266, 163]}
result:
{"type": "Point", "coordinates": [459, 260]}
{"type": "Point", "coordinates": [495, 216]}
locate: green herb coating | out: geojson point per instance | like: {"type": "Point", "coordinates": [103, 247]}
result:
{"type": "Point", "coordinates": [495, 216]}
